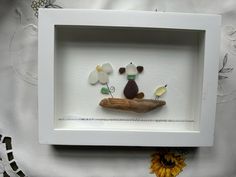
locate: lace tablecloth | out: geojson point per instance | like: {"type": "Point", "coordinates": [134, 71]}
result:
{"type": "Point", "coordinates": [18, 103]}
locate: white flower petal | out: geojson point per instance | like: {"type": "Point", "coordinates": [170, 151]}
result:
{"type": "Point", "coordinates": [93, 77]}
{"type": "Point", "coordinates": [107, 68]}
{"type": "Point", "coordinates": [103, 77]}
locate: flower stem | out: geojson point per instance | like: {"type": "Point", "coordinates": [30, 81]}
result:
{"type": "Point", "coordinates": [109, 90]}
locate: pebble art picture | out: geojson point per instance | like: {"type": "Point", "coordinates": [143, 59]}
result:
{"type": "Point", "coordinates": [134, 100]}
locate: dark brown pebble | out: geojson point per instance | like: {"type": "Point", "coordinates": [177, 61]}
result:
{"type": "Point", "coordinates": [140, 95]}
{"type": "Point", "coordinates": [140, 69]}
{"type": "Point", "coordinates": [131, 89]}
{"type": "Point", "coordinates": [122, 70]}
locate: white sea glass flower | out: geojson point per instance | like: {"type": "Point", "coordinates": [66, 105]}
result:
{"type": "Point", "coordinates": [100, 74]}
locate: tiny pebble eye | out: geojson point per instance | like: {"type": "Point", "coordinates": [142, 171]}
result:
{"type": "Point", "coordinates": [140, 69]}
{"type": "Point", "coordinates": [122, 70]}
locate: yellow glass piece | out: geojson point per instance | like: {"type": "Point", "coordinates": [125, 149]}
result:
{"type": "Point", "coordinates": [161, 90]}
{"type": "Point", "coordinates": [99, 68]}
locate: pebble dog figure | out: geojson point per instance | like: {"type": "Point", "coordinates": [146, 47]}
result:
{"type": "Point", "coordinates": [131, 89]}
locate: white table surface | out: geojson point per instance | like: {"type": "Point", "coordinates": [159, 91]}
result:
{"type": "Point", "coordinates": [18, 102]}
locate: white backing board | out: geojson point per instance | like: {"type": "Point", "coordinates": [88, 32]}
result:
{"type": "Point", "coordinates": [169, 57]}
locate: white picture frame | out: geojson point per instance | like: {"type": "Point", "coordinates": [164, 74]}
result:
{"type": "Point", "coordinates": [61, 23]}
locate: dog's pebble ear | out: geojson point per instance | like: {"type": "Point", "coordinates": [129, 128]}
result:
{"type": "Point", "coordinates": [122, 70]}
{"type": "Point", "coordinates": [140, 69]}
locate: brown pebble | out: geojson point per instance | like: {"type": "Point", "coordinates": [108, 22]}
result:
{"type": "Point", "coordinates": [140, 69]}
{"type": "Point", "coordinates": [140, 95]}
{"type": "Point", "coordinates": [131, 89]}
{"type": "Point", "coordinates": [122, 70]}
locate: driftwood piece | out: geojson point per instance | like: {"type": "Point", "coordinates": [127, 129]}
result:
{"type": "Point", "coordinates": [135, 105]}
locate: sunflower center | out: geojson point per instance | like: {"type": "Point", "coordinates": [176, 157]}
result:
{"type": "Point", "coordinates": [167, 163]}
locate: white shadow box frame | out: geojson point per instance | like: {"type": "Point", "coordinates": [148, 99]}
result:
{"type": "Point", "coordinates": [181, 50]}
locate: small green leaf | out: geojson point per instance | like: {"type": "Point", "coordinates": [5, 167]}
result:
{"type": "Point", "coordinates": [104, 90]}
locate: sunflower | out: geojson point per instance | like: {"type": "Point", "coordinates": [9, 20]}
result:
{"type": "Point", "coordinates": [167, 164]}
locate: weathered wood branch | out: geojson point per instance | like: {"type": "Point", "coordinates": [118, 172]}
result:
{"type": "Point", "coordinates": [135, 105]}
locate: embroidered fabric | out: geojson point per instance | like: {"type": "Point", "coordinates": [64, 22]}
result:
{"type": "Point", "coordinates": [18, 103]}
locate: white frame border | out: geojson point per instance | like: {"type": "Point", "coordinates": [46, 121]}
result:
{"type": "Point", "coordinates": [48, 18]}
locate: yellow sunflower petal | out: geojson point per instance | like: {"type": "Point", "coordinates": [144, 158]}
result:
{"type": "Point", "coordinates": [168, 174]}
{"type": "Point", "coordinates": [155, 167]}
{"type": "Point", "coordinates": [174, 171]}
{"type": "Point", "coordinates": [160, 171]}
{"type": "Point", "coordinates": [180, 166]}
{"type": "Point", "coordinates": [163, 172]}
